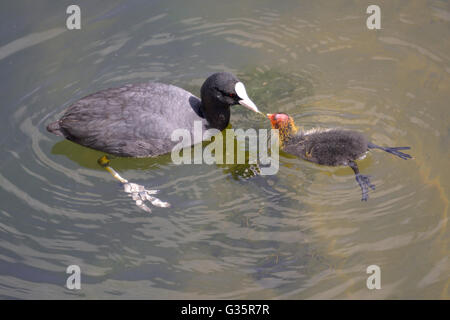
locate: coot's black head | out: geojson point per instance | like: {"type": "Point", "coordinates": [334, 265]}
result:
{"type": "Point", "coordinates": [222, 90]}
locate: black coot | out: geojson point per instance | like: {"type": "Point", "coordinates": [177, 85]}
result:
{"type": "Point", "coordinates": [330, 147]}
{"type": "Point", "coordinates": [137, 120]}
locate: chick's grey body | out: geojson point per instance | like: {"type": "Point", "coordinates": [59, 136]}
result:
{"type": "Point", "coordinates": [332, 147]}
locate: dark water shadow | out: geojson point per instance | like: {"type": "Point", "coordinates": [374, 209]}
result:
{"type": "Point", "coordinates": [87, 158]}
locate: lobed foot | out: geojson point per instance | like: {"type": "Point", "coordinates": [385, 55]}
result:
{"type": "Point", "coordinates": [141, 195]}
{"type": "Point", "coordinates": [394, 151]}
{"type": "Point", "coordinates": [137, 192]}
{"type": "Point", "coordinates": [365, 184]}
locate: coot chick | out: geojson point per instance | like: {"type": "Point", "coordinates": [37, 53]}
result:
{"type": "Point", "coordinates": [137, 120]}
{"type": "Point", "coordinates": [330, 147]}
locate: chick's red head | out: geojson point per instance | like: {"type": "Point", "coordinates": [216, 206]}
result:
{"type": "Point", "coordinates": [285, 125]}
{"type": "Point", "coordinates": [279, 120]}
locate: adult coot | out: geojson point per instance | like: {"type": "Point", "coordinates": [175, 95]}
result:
{"type": "Point", "coordinates": [331, 147]}
{"type": "Point", "coordinates": [137, 120]}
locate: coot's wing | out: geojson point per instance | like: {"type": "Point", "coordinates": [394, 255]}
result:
{"type": "Point", "coordinates": [133, 120]}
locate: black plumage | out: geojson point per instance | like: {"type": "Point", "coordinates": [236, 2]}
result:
{"type": "Point", "coordinates": [137, 120]}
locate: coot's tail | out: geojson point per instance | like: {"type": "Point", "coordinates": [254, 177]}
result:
{"type": "Point", "coordinates": [392, 150]}
{"type": "Point", "coordinates": [55, 128]}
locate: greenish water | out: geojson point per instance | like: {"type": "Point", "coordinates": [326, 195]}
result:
{"type": "Point", "coordinates": [301, 234]}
